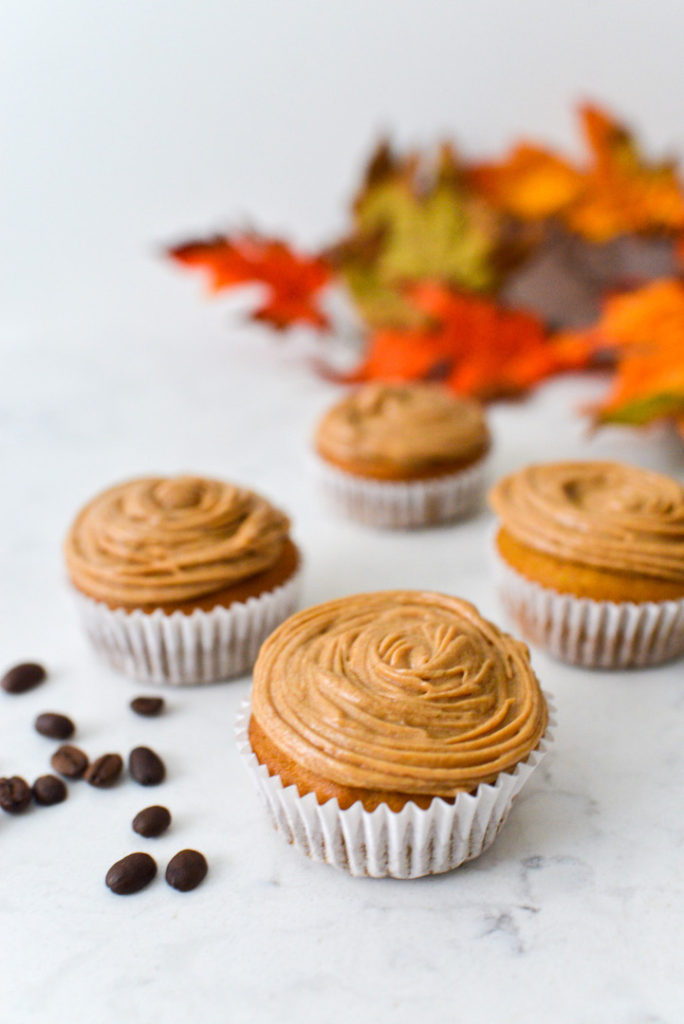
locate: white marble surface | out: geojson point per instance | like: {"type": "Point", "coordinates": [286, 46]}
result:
{"type": "Point", "coordinates": [574, 915]}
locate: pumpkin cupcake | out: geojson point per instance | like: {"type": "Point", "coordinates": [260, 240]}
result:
{"type": "Point", "coordinates": [403, 455]}
{"type": "Point", "coordinates": [180, 579]}
{"type": "Point", "coordinates": [590, 558]}
{"type": "Point", "coordinates": [390, 732]}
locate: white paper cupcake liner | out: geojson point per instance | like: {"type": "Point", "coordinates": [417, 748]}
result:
{"type": "Point", "coordinates": [400, 844]}
{"type": "Point", "coordinates": [593, 634]}
{"type": "Point", "coordinates": [402, 504]}
{"type": "Point", "coordinates": [182, 649]}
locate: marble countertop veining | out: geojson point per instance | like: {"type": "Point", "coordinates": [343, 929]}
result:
{"type": "Point", "coordinates": [574, 915]}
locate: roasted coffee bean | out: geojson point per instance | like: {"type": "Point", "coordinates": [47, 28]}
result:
{"type": "Point", "coordinates": [15, 795]}
{"type": "Point", "coordinates": [147, 706]}
{"type": "Point", "coordinates": [186, 870]}
{"type": "Point", "coordinates": [131, 874]}
{"type": "Point", "coordinates": [146, 767]}
{"type": "Point", "coordinates": [56, 727]}
{"type": "Point", "coordinates": [23, 677]}
{"type": "Point", "coordinates": [69, 761]}
{"type": "Point", "coordinates": [48, 790]}
{"type": "Point", "coordinates": [152, 821]}
{"type": "Point", "coordinates": [104, 771]}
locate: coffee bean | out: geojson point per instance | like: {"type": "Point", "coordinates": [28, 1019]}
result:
{"type": "Point", "coordinates": [131, 874]}
{"type": "Point", "coordinates": [48, 790]}
{"type": "Point", "coordinates": [69, 761]}
{"type": "Point", "coordinates": [146, 767]}
{"type": "Point", "coordinates": [104, 771]}
{"type": "Point", "coordinates": [23, 677]}
{"type": "Point", "coordinates": [186, 870]}
{"type": "Point", "coordinates": [152, 821]}
{"type": "Point", "coordinates": [147, 706]}
{"type": "Point", "coordinates": [15, 795]}
{"type": "Point", "coordinates": [56, 727]}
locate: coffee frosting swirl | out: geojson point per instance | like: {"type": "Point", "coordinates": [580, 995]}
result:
{"type": "Point", "coordinates": [605, 515]}
{"type": "Point", "coordinates": [404, 425]}
{"type": "Point", "coordinates": [171, 539]}
{"type": "Point", "coordinates": [402, 691]}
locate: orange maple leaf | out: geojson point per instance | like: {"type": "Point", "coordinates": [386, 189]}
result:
{"type": "Point", "coordinates": [622, 193]}
{"type": "Point", "coordinates": [531, 183]}
{"type": "Point", "coordinates": [643, 331]}
{"type": "Point", "coordinates": [616, 191]}
{"type": "Point", "coordinates": [293, 281]}
{"type": "Point", "coordinates": [474, 346]}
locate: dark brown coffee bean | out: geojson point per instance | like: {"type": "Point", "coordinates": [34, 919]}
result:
{"type": "Point", "coordinates": [146, 767]}
{"type": "Point", "coordinates": [147, 706]}
{"type": "Point", "coordinates": [23, 677]}
{"type": "Point", "coordinates": [186, 870]}
{"type": "Point", "coordinates": [152, 821]}
{"type": "Point", "coordinates": [48, 790]}
{"type": "Point", "coordinates": [69, 761]}
{"type": "Point", "coordinates": [56, 727]}
{"type": "Point", "coordinates": [15, 795]}
{"type": "Point", "coordinates": [131, 874]}
{"type": "Point", "coordinates": [104, 771]}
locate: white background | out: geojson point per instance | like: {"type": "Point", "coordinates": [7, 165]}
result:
{"type": "Point", "coordinates": [126, 125]}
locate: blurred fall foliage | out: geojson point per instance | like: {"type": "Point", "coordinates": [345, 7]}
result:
{"type": "Point", "coordinates": [493, 276]}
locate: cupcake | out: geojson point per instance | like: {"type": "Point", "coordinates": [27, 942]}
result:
{"type": "Point", "coordinates": [402, 455]}
{"type": "Point", "coordinates": [389, 733]}
{"type": "Point", "coordinates": [181, 579]}
{"type": "Point", "coordinates": [590, 560]}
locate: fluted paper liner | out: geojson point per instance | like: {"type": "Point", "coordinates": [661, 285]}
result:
{"type": "Point", "coordinates": [398, 504]}
{"type": "Point", "coordinates": [185, 649]}
{"type": "Point", "coordinates": [593, 634]}
{"type": "Point", "coordinates": [401, 844]}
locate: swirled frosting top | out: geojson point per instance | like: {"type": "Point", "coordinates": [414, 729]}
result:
{"type": "Point", "coordinates": [402, 691]}
{"type": "Point", "coordinates": [403, 425]}
{"type": "Point", "coordinates": [600, 514]}
{"type": "Point", "coordinates": [167, 539]}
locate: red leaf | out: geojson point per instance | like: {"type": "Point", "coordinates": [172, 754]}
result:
{"type": "Point", "coordinates": [475, 346]}
{"type": "Point", "coordinates": [293, 281]}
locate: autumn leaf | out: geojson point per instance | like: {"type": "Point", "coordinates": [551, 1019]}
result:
{"type": "Point", "coordinates": [432, 241]}
{"type": "Point", "coordinates": [643, 332]}
{"type": "Point", "coordinates": [615, 191]}
{"type": "Point", "coordinates": [474, 346]}
{"type": "Point", "coordinates": [293, 282]}
{"type": "Point", "coordinates": [413, 220]}
{"type": "Point", "coordinates": [567, 279]}
{"type": "Point", "coordinates": [623, 193]}
{"type": "Point", "coordinates": [531, 183]}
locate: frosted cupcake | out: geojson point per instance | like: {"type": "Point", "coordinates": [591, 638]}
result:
{"type": "Point", "coordinates": [389, 733]}
{"type": "Point", "coordinates": [402, 455]}
{"type": "Point", "coordinates": [180, 579]}
{"type": "Point", "coordinates": [590, 559]}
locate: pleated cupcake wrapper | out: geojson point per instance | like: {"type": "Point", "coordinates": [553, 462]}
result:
{"type": "Point", "coordinates": [182, 649]}
{"type": "Point", "coordinates": [593, 634]}
{"type": "Point", "coordinates": [402, 504]}
{"type": "Point", "coordinates": [400, 844]}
